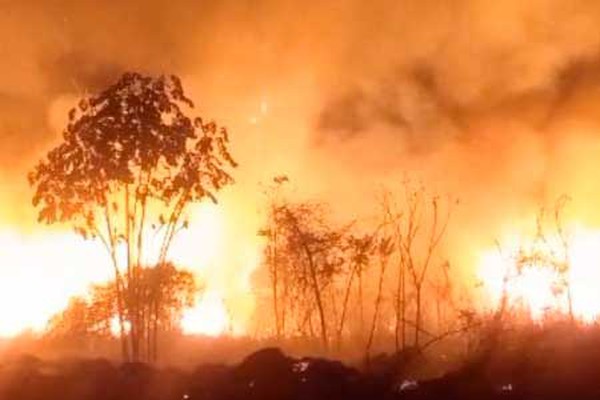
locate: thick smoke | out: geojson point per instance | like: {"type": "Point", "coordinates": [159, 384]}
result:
{"type": "Point", "coordinates": [492, 102]}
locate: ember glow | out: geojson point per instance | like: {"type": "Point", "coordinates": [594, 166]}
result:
{"type": "Point", "coordinates": [538, 287]}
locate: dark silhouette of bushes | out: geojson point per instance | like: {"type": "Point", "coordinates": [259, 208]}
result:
{"type": "Point", "coordinates": [539, 365]}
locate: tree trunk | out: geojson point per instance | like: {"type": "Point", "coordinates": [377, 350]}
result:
{"type": "Point", "coordinates": [132, 305]}
{"type": "Point", "coordinates": [119, 286]}
{"type": "Point", "coordinates": [275, 280]}
{"type": "Point", "coordinates": [320, 309]}
{"type": "Point", "coordinates": [155, 329]}
{"type": "Point", "coordinates": [417, 314]}
{"type": "Point", "coordinates": [276, 308]}
{"type": "Point", "coordinates": [376, 310]}
{"type": "Point", "coordinates": [361, 306]}
{"type": "Point", "coordinates": [400, 305]}
{"type": "Point", "coordinates": [283, 305]}
{"type": "Point", "coordinates": [121, 312]}
{"type": "Point", "coordinates": [344, 308]}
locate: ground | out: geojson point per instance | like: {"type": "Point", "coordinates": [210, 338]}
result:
{"type": "Point", "coordinates": [538, 364]}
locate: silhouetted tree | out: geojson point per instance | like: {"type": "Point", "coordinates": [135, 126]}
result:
{"type": "Point", "coordinates": [359, 250]}
{"type": "Point", "coordinates": [421, 224]}
{"type": "Point", "coordinates": [274, 259]}
{"type": "Point", "coordinates": [383, 251]}
{"type": "Point", "coordinates": [166, 293]}
{"type": "Point", "coordinates": [130, 163]}
{"type": "Point", "coordinates": [74, 321]}
{"type": "Point", "coordinates": [314, 256]}
{"type": "Point", "coordinates": [549, 248]}
{"type": "Point", "coordinates": [424, 226]}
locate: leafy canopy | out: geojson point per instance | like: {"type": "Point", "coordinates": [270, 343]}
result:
{"type": "Point", "coordinates": [133, 136]}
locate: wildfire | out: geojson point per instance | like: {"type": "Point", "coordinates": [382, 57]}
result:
{"type": "Point", "coordinates": [538, 286]}
{"type": "Point", "coordinates": [38, 275]}
{"type": "Point", "coordinates": [209, 317]}
{"type": "Point", "coordinates": [41, 272]}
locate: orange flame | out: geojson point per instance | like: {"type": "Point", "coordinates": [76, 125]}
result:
{"type": "Point", "coordinates": [535, 286]}
{"type": "Point", "coordinates": [41, 272]}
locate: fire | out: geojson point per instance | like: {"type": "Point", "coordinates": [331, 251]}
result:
{"type": "Point", "coordinates": [541, 288]}
{"type": "Point", "coordinates": [209, 317]}
{"type": "Point", "coordinates": [41, 271]}
{"type": "Point", "coordinates": [38, 275]}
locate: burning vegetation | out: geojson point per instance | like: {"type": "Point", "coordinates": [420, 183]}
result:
{"type": "Point", "coordinates": [408, 187]}
{"type": "Point", "coordinates": [131, 165]}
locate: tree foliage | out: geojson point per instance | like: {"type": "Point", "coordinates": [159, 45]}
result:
{"type": "Point", "coordinates": [305, 254]}
{"type": "Point", "coordinates": [360, 282]}
{"type": "Point", "coordinates": [94, 316]}
{"type": "Point", "coordinates": [130, 163]}
{"type": "Point", "coordinates": [134, 133]}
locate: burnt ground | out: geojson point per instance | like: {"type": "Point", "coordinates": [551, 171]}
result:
{"type": "Point", "coordinates": [540, 366]}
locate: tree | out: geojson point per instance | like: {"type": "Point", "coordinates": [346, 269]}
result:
{"type": "Point", "coordinates": [384, 249]}
{"type": "Point", "coordinates": [358, 250]}
{"type": "Point", "coordinates": [94, 316]}
{"type": "Point", "coordinates": [130, 163]}
{"type": "Point", "coordinates": [548, 249]}
{"type": "Point", "coordinates": [309, 258]}
{"type": "Point", "coordinates": [166, 292]}
{"type": "Point", "coordinates": [420, 227]}
{"type": "Point", "coordinates": [73, 321]}
{"type": "Point", "coordinates": [275, 264]}
{"type": "Point", "coordinates": [563, 264]}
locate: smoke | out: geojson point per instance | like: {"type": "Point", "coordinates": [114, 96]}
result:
{"type": "Point", "coordinates": [494, 103]}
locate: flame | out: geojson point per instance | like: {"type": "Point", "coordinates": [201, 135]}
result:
{"type": "Point", "coordinates": [209, 316]}
{"type": "Point", "coordinates": [41, 271]}
{"type": "Point", "coordinates": [38, 276]}
{"type": "Point", "coordinates": [535, 286]}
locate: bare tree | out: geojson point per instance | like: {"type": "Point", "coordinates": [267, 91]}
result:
{"type": "Point", "coordinates": [564, 263]}
{"type": "Point", "coordinates": [421, 226]}
{"type": "Point", "coordinates": [550, 248]}
{"type": "Point", "coordinates": [313, 254]}
{"type": "Point", "coordinates": [393, 215]}
{"type": "Point", "coordinates": [359, 250]}
{"type": "Point", "coordinates": [383, 251]}
{"type": "Point", "coordinates": [274, 260]}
